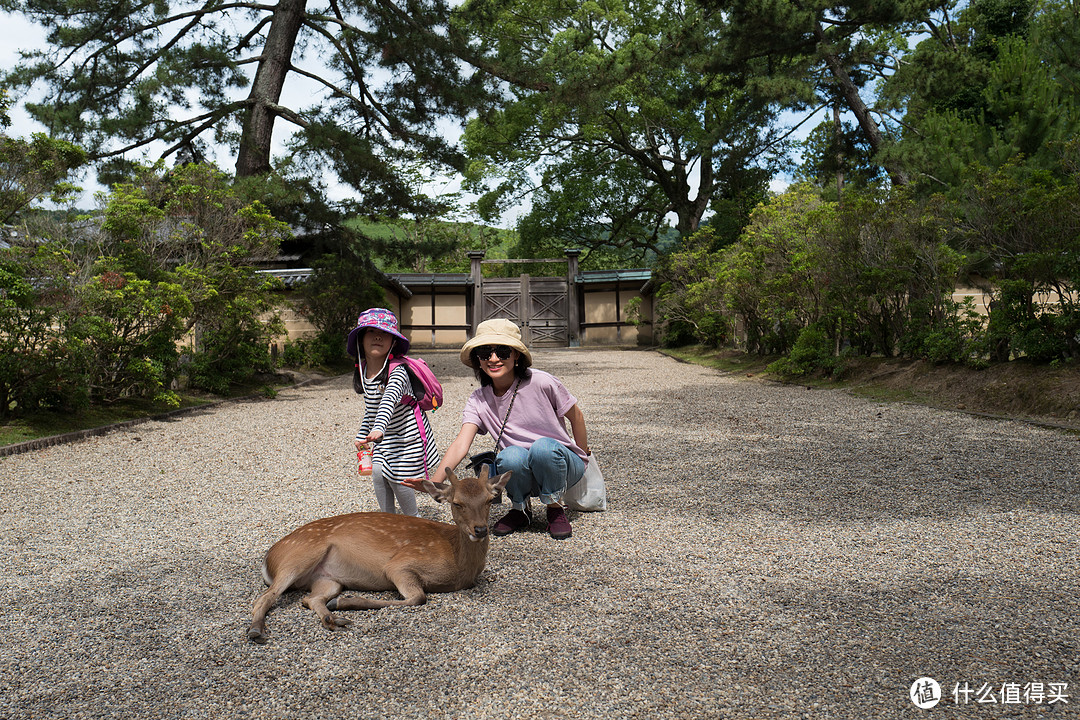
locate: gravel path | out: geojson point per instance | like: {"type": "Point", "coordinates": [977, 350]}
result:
{"type": "Point", "coordinates": [769, 552]}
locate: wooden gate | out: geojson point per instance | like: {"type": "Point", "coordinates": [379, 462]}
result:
{"type": "Point", "coordinates": [545, 308]}
{"type": "Point", "coordinates": [539, 305]}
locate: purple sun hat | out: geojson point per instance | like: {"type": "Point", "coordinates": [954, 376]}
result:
{"type": "Point", "coordinates": [379, 318]}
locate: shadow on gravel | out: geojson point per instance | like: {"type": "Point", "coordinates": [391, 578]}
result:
{"type": "Point", "coordinates": [791, 462]}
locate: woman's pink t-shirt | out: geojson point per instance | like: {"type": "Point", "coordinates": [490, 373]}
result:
{"type": "Point", "coordinates": [542, 402]}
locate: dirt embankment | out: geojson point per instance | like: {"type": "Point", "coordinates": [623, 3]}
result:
{"type": "Point", "coordinates": [1017, 389]}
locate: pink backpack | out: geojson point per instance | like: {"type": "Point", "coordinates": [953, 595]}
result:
{"type": "Point", "coordinates": [425, 386]}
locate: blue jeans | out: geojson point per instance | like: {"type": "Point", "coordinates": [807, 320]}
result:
{"type": "Point", "coordinates": [545, 469]}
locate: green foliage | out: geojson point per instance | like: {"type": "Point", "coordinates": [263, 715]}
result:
{"type": "Point", "coordinates": [808, 56]}
{"type": "Point", "coordinates": [190, 227]}
{"type": "Point", "coordinates": [774, 278]}
{"type": "Point", "coordinates": [231, 356]}
{"type": "Point", "coordinates": [41, 367]}
{"type": "Point", "coordinates": [811, 353]}
{"type": "Point", "coordinates": [901, 269]}
{"type": "Point", "coordinates": [341, 287]}
{"type": "Point", "coordinates": [117, 76]}
{"type": "Point", "coordinates": [320, 351]}
{"type": "Point", "coordinates": [34, 169]}
{"type": "Point", "coordinates": [130, 328]}
{"type": "Point", "coordinates": [690, 306]}
{"type": "Point", "coordinates": [992, 88]}
{"type": "Point", "coordinates": [1022, 327]}
{"type": "Point", "coordinates": [617, 118]}
{"type": "Point", "coordinates": [99, 314]}
{"type": "Point", "coordinates": [808, 278]}
{"type": "Point", "coordinates": [614, 118]}
{"type": "Point", "coordinates": [1024, 224]}
{"type": "Point", "coordinates": [956, 336]}
{"type": "Point", "coordinates": [833, 154]}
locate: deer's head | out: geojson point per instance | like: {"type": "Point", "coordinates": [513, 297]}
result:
{"type": "Point", "coordinates": [470, 500]}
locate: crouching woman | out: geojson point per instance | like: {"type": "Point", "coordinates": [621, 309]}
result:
{"type": "Point", "coordinates": [524, 410]}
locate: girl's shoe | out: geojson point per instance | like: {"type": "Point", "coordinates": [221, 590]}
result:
{"type": "Point", "coordinates": [512, 522]}
{"type": "Point", "coordinates": [558, 524]}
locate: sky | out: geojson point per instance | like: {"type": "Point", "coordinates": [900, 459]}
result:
{"type": "Point", "coordinates": [16, 33]}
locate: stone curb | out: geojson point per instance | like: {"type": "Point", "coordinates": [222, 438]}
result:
{"type": "Point", "coordinates": [45, 442]}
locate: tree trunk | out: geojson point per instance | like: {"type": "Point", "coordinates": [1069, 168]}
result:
{"type": "Point", "coordinates": [689, 211]}
{"type": "Point", "coordinates": [838, 138]}
{"type": "Point", "coordinates": [255, 141]}
{"type": "Point", "coordinates": [854, 102]}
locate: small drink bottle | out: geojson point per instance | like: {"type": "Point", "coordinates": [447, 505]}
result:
{"type": "Point", "coordinates": [364, 456]}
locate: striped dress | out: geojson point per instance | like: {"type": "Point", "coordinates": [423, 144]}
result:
{"type": "Point", "coordinates": [400, 454]}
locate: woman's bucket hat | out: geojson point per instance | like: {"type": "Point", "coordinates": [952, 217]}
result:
{"type": "Point", "coordinates": [381, 319]}
{"type": "Point", "coordinates": [497, 331]}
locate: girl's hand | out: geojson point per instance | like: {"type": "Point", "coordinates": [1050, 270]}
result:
{"type": "Point", "coordinates": [374, 436]}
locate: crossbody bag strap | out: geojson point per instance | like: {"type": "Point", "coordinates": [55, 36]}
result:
{"type": "Point", "coordinates": [506, 417]}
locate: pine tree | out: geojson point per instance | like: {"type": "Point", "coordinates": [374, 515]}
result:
{"type": "Point", "coordinates": [121, 76]}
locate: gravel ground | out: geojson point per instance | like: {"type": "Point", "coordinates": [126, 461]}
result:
{"type": "Point", "coordinates": [769, 552]}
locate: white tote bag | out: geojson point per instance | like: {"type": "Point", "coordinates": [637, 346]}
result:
{"type": "Point", "coordinates": [589, 493]}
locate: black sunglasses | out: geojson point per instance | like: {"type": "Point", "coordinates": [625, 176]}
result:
{"type": "Point", "coordinates": [484, 352]}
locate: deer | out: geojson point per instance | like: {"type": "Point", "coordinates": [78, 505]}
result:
{"type": "Point", "coordinates": [377, 551]}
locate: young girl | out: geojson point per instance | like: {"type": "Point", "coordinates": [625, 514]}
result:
{"type": "Point", "coordinates": [399, 456]}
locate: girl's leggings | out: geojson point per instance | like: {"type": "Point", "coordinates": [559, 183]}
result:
{"type": "Point", "coordinates": [387, 490]}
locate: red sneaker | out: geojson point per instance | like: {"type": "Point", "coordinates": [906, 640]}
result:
{"type": "Point", "coordinates": [558, 525]}
{"type": "Point", "coordinates": [511, 522]}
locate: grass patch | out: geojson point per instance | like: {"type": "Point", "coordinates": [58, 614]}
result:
{"type": "Point", "coordinates": [725, 360]}
{"type": "Point", "coordinates": [47, 424]}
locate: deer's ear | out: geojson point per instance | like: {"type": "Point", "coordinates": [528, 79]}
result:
{"type": "Point", "coordinates": [441, 492]}
{"type": "Point", "coordinates": [499, 481]}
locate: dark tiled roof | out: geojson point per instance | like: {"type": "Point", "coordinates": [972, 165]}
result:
{"type": "Point", "coordinates": [289, 276]}
{"type": "Point", "coordinates": [623, 276]}
{"type": "Point", "coordinates": [429, 279]}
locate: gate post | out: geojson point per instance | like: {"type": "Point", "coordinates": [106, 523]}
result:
{"type": "Point", "coordinates": [573, 322]}
{"type": "Point", "coordinates": [475, 256]}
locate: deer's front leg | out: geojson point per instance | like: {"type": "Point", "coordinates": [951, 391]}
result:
{"type": "Point", "coordinates": [407, 584]}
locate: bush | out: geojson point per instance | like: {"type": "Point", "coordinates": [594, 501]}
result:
{"type": "Point", "coordinates": [712, 330]}
{"type": "Point", "coordinates": [232, 355]}
{"type": "Point", "coordinates": [1041, 342]}
{"type": "Point", "coordinates": [323, 350]}
{"type": "Point", "coordinates": [130, 328]}
{"type": "Point", "coordinates": [812, 352]}
{"type": "Point", "coordinates": [341, 287]}
{"type": "Point", "coordinates": [678, 333]}
{"type": "Point", "coordinates": [958, 335]}
{"type": "Point", "coordinates": [38, 365]}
